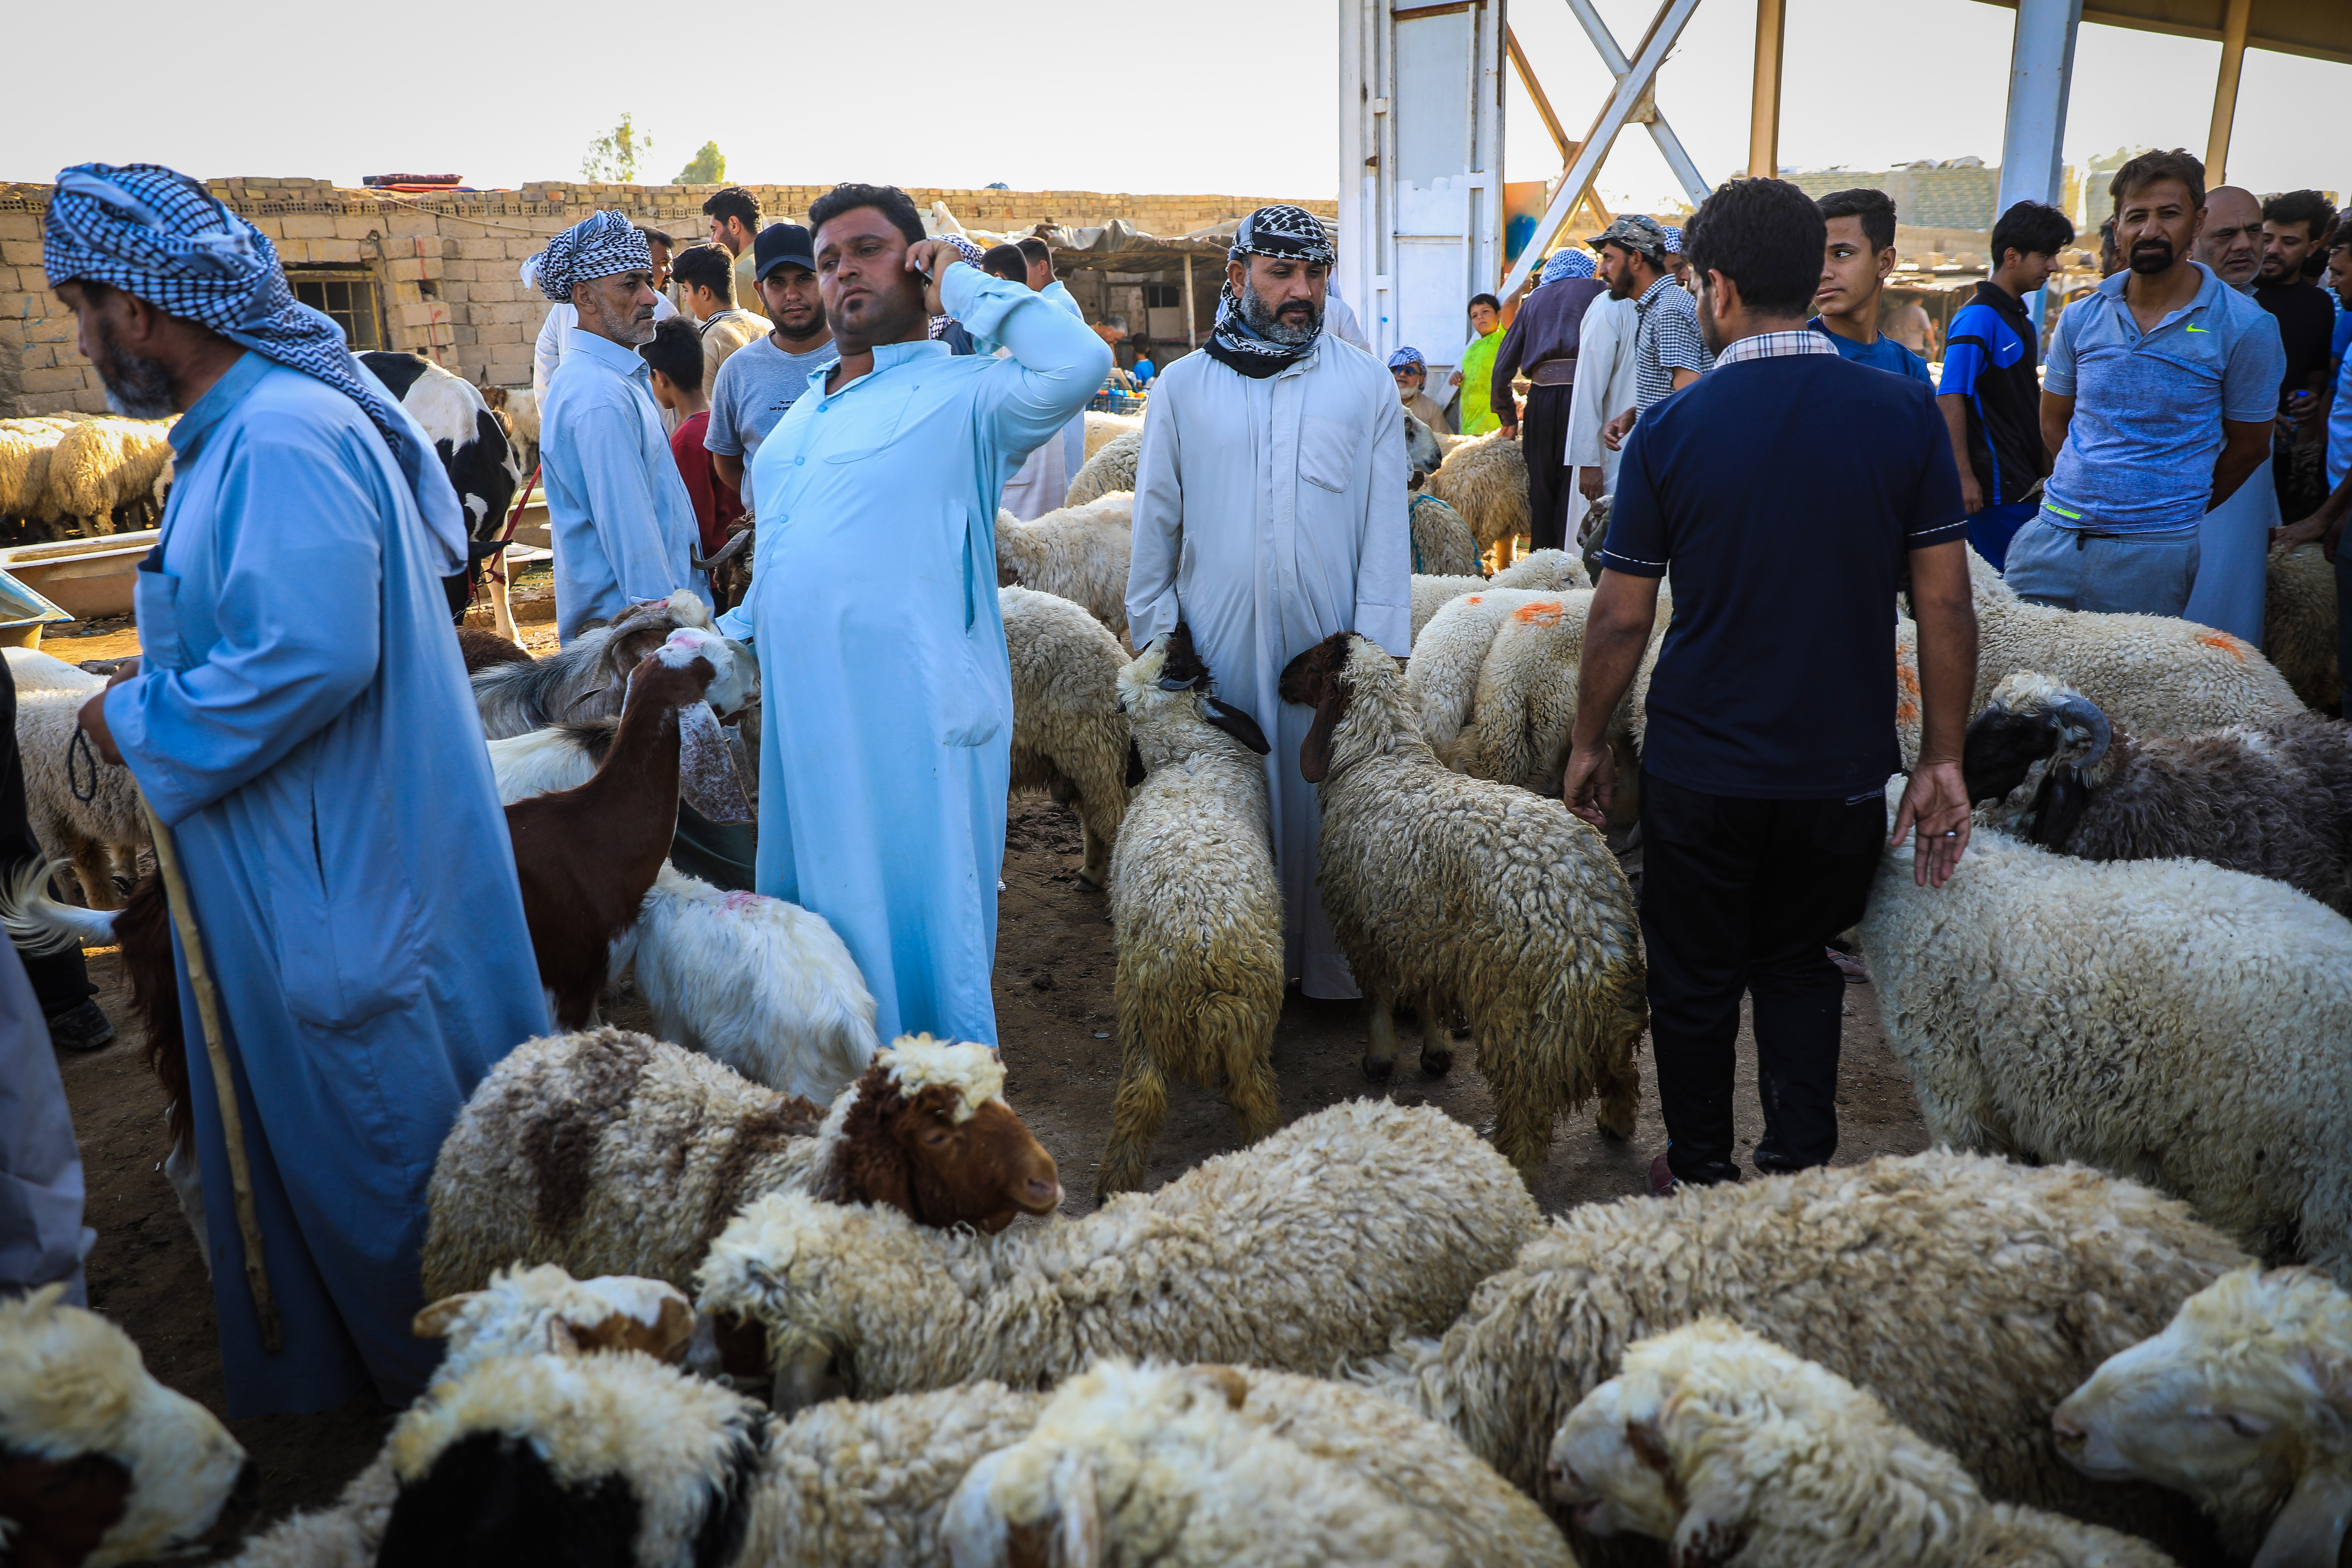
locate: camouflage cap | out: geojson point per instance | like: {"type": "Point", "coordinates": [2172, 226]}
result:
{"type": "Point", "coordinates": [1644, 235]}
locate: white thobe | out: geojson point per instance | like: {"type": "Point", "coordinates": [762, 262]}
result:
{"type": "Point", "coordinates": [1604, 386]}
{"type": "Point", "coordinates": [1341, 321]}
{"type": "Point", "coordinates": [2233, 548]}
{"type": "Point", "coordinates": [1267, 517]}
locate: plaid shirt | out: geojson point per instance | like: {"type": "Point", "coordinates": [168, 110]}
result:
{"type": "Point", "coordinates": [1777, 345]}
{"type": "Point", "coordinates": [1667, 341]}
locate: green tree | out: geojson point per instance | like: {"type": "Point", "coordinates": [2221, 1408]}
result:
{"type": "Point", "coordinates": [614, 156]}
{"type": "Point", "coordinates": [709, 168]}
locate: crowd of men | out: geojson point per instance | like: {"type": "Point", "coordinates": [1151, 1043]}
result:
{"type": "Point", "coordinates": [1767, 437]}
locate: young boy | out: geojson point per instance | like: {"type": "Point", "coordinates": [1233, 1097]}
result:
{"type": "Point", "coordinates": [1860, 254]}
{"type": "Point", "coordinates": [1991, 399]}
{"type": "Point", "coordinates": [706, 286]}
{"type": "Point", "coordinates": [676, 358]}
{"type": "Point", "coordinates": [1477, 372]}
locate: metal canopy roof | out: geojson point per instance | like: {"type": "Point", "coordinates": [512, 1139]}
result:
{"type": "Point", "coordinates": [2319, 29]}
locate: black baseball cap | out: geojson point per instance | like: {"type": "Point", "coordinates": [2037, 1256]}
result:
{"type": "Point", "coordinates": [783, 245]}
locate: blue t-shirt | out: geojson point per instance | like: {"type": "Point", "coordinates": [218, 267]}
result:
{"type": "Point", "coordinates": [2148, 407]}
{"type": "Point", "coordinates": [2343, 333]}
{"type": "Point", "coordinates": [1989, 359]}
{"type": "Point", "coordinates": [1882, 352]}
{"type": "Point", "coordinates": [1144, 370]}
{"type": "Point", "coordinates": [1786, 494]}
{"type": "Point", "coordinates": [2339, 427]}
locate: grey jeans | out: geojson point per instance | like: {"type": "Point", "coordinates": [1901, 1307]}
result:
{"type": "Point", "coordinates": [2081, 569]}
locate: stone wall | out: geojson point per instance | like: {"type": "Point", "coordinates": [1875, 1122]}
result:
{"type": "Point", "coordinates": [446, 265]}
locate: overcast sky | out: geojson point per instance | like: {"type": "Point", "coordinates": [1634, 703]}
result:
{"type": "Point", "coordinates": [1223, 96]}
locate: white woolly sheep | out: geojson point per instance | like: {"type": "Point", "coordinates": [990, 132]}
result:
{"type": "Point", "coordinates": [1080, 553]}
{"type": "Point", "coordinates": [1485, 478]}
{"type": "Point", "coordinates": [2189, 1027]}
{"type": "Point", "coordinates": [1317, 1243]}
{"type": "Point", "coordinates": [2271, 798]}
{"type": "Point", "coordinates": [761, 985]}
{"type": "Point", "coordinates": [101, 465]}
{"type": "Point", "coordinates": [1460, 894]}
{"type": "Point", "coordinates": [2240, 1403]}
{"type": "Point", "coordinates": [34, 671]}
{"type": "Point", "coordinates": [1069, 737]}
{"type": "Point", "coordinates": [1443, 544]}
{"type": "Point", "coordinates": [2299, 623]}
{"type": "Point", "coordinates": [101, 836]}
{"type": "Point", "coordinates": [1108, 469]}
{"type": "Point", "coordinates": [1971, 1293]}
{"type": "Point", "coordinates": [1551, 571]}
{"type": "Point", "coordinates": [1169, 1465]}
{"type": "Point", "coordinates": [1729, 1448]}
{"type": "Point", "coordinates": [1195, 910]}
{"type": "Point", "coordinates": [608, 1153]}
{"type": "Point", "coordinates": [1102, 429]}
{"type": "Point", "coordinates": [27, 446]}
{"type": "Point", "coordinates": [101, 1464]}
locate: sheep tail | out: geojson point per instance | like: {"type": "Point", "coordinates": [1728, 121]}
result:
{"type": "Point", "coordinates": [37, 923]}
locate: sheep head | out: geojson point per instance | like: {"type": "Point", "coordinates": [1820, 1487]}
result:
{"type": "Point", "coordinates": [1165, 695]}
{"type": "Point", "coordinates": [2032, 719]}
{"type": "Point", "coordinates": [1336, 678]}
{"type": "Point", "coordinates": [101, 1464]}
{"type": "Point", "coordinates": [1422, 453]}
{"type": "Point", "coordinates": [2244, 1402]}
{"type": "Point", "coordinates": [595, 1459]}
{"type": "Point", "coordinates": [925, 1130]}
{"type": "Point", "coordinates": [781, 1286]}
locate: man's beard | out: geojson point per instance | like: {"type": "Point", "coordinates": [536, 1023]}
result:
{"type": "Point", "coordinates": [806, 329]}
{"type": "Point", "coordinates": [2152, 256]}
{"type": "Point", "coordinates": [1621, 287]}
{"type": "Point", "coordinates": [622, 326]}
{"type": "Point", "coordinates": [1709, 332]}
{"type": "Point", "coordinates": [1262, 320]}
{"type": "Point", "coordinates": [136, 388]}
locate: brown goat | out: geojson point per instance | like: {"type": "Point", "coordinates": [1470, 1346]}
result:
{"type": "Point", "coordinates": [487, 651]}
{"type": "Point", "coordinates": [586, 857]}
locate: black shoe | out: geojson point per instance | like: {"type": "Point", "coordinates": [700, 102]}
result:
{"type": "Point", "coordinates": [80, 1029]}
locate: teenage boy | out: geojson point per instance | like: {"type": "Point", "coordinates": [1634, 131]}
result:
{"type": "Point", "coordinates": [705, 285]}
{"type": "Point", "coordinates": [1854, 265]}
{"type": "Point", "coordinates": [1991, 394]}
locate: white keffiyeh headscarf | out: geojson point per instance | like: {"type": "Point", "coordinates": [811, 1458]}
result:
{"type": "Point", "coordinates": [1279, 230]}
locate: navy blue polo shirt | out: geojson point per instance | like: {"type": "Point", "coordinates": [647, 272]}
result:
{"type": "Point", "coordinates": [1785, 495]}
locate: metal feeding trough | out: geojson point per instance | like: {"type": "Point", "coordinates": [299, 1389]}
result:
{"type": "Point", "coordinates": [24, 612]}
{"type": "Point", "coordinates": [87, 577]}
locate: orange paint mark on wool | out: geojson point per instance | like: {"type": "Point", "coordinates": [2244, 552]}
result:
{"type": "Point", "coordinates": [1543, 613]}
{"type": "Point", "coordinates": [1907, 679]}
{"type": "Point", "coordinates": [2225, 642]}
{"type": "Point", "coordinates": [1477, 598]}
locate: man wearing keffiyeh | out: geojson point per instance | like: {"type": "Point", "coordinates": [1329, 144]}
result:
{"type": "Point", "coordinates": [1269, 504]}
{"type": "Point", "coordinates": [1542, 344]}
{"type": "Point", "coordinates": [352, 878]}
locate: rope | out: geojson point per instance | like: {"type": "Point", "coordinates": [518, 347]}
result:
{"type": "Point", "coordinates": [79, 746]}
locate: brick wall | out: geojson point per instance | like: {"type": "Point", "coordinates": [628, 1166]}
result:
{"type": "Point", "coordinates": [446, 265]}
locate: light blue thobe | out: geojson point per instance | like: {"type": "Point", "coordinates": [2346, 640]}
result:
{"type": "Point", "coordinates": [302, 723]}
{"type": "Point", "coordinates": [2233, 548]}
{"type": "Point", "coordinates": [618, 511]}
{"type": "Point", "coordinates": [1074, 434]}
{"type": "Point", "coordinates": [42, 1237]}
{"type": "Point", "coordinates": [886, 749]}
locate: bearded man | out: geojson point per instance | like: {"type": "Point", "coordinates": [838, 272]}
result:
{"type": "Point", "coordinates": [2233, 538]}
{"type": "Point", "coordinates": [1269, 504]}
{"type": "Point", "coordinates": [620, 516]}
{"type": "Point", "coordinates": [300, 721]}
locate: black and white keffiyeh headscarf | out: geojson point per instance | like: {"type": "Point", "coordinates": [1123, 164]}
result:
{"type": "Point", "coordinates": [596, 247]}
{"type": "Point", "coordinates": [1280, 230]}
{"type": "Point", "coordinates": [155, 233]}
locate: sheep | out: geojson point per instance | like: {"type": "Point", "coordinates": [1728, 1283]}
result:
{"type": "Point", "coordinates": [1069, 737]}
{"type": "Point", "coordinates": [1971, 1292]}
{"type": "Point", "coordinates": [101, 1464]}
{"type": "Point", "coordinates": [26, 447]}
{"type": "Point", "coordinates": [609, 1153]}
{"type": "Point", "coordinates": [761, 985]}
{"type": "Point", "coordinates": [100, 465]}
{"type": "Point", "coordinates": [1207, 1465]}
{"type": "Point", "coordinates": [1727, 1447]}
{"type": "Point", "coordinates": [1080, 553]}
{"type": "Point", "coordinates": [1109, 467]}
{"type": "Point", "coordinates": [588, 678]}
{"type": "Point", "coordinates": [1195, 910]}
{"type": "Point", "coordinates": [1466, 895]}
{"type": "Point", "coordinates": [585, 858]}
{"type": "Point", "coordinates": [1317, 1243]}
{"type": "Point", "coordinates": [101, 836]}
{"type": "Point", "coordinates": [2167, 1020]}
{"type": "Point", "coordinates": [1551, 571]}
{"type": "Point", "coordinates": [1442, 542]}
{"type": "Point", "coordinates": [34, 671]}
{"type": "Point", "coordinates": [1485, 479]}
{"type": "Point", "coordinates": [1102, 429]}
{"type": "Point", "coordinates": [1423, 455]}
{"type": "Point", "coordinates": [2299, 623]}
{"type": "Point", "coordinates": [2271, 798]}
{"type": "Point", "coordinates": [2239, 1404]}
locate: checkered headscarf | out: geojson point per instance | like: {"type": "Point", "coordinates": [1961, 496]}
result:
{"type": "Point", "coordinates": [1565, 263]}
{"type": "Point", "coordinates": [1673, 241]}
{"type": "Point", "coordinates": [155, 233]}
{"type": "Point", "coordinates": [1278, 230]}
{"type": "Point", "coordinates": [596, 247]}
{"type": "Point", "coordinates": [1408, 355]}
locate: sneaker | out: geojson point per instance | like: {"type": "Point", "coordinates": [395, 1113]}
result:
{"type": "Point", "coordinates": [80, 1029]}
{"type": "Point", "coordinates": [1662, 1178]}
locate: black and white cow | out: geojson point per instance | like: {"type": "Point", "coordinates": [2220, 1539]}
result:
{"type": "Point", "coordinates": [483, 464]}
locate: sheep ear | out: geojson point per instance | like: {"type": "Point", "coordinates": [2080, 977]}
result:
{"type": "Point", "coordinates": [1135, 771]}
{"type": "Point", "coordinates": [435, 1320]}
{"type": "Point", "coordinates": [1236, 724]}
{"type": "Point", "coordinates": [1079, 1533]}
{"type": "Point", "coordinates": [1314, 752]}
{"type": "Point", "coordinates": [2058, 807]}
{"type": "Point", "coordinates": [1713, 1526]}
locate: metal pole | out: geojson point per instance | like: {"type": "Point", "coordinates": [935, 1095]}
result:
{"type": "Point", "coordinates": [2040, 72]}
{"type": "Point", "coordinates": [1191, 321]}
{"type": "Point", "coordinates": [1764, 102]}
{"type": "Point", "coordinates": [2225, 93]}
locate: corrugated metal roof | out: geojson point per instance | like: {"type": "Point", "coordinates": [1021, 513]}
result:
{"type": "Point", "coordinates": [2320, 29]}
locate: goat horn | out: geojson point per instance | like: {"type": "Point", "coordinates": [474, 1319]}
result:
{"type": "Point", "coordinates": [2080, 713]}
{"type": "Point", "coordinates": [727, 552]}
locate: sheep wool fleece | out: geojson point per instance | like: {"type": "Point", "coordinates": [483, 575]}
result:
{"type": "Point", "coordinates": [349, 868]}
{"type": "Point", "coordinates": [873, 606]}
{"type": "Point", "coordinates": [1265, 518]}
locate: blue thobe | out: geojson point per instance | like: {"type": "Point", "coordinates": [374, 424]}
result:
{"type": "Point", "coordinates": [303, 724]}
{"type": "Point", "coordinates": [617, 510]}
{"type": "Point", "coordinates": [42, 1237]}
{"type": "Point", "coordinates": [886, 749]}
{"type": "Point", "coordinates": [1074, 434]}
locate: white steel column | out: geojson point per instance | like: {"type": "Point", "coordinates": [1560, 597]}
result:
{"type": "Point", "coordinates": [2041, 70]}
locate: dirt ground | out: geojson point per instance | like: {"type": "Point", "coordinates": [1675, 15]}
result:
{"type": "Point", "coordinates": [1053, 974]}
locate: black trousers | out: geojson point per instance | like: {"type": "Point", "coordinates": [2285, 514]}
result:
{"type": "Point", "coordinates": [1742, 895]}
{"type": "Point", "coordinates": [1543, 437]}
{"type": "Point", "coordinates": [60, 981]}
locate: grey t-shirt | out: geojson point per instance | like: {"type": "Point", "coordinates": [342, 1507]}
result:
{"type": "Point", "coordinates": [756, 384]}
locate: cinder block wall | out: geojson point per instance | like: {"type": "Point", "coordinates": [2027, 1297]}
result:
{"type": "Point", "coordinates": [446, 265]}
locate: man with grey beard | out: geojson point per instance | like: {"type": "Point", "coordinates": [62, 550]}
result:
{"type": "Point", "coordinates": [1269, 514]}
{"type": "Point", "coordinates": [2233, 538]}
